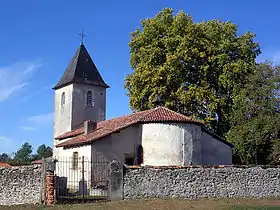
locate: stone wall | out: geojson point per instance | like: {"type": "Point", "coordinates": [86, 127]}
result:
{"type": "Point", "coordinates": [19, 185]}
{"type": "Point", "coordinates": [151, 182]}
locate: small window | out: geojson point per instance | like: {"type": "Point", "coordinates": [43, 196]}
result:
{"type": "Point", "coordinates": [85, 75]}
{"type": "Point", "coordinates": [75, 160]}
{"type": "Point", "coordinates": [62, 99]}
{"type": "Point", "coordinates": [128, 159]}
{"type": "Point", "coordinates": [89, 98]}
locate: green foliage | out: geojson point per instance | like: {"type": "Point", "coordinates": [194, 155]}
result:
{"type": "Point", "coordinates": [24, 155]}
{"type": "Point", "coordinates": [44, 151]}
{"type": "Point", "coordinates": [196, 68]}
{"type": "Point", "coordinates": [4, 157]}
{"type": "Point", "coordinates": [255, 117]}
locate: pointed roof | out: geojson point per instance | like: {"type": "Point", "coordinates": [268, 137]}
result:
{"type": "Point", "coordinates": [81, 70]}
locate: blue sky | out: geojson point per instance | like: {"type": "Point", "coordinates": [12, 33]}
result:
{"type": "Point", "coordinates": [38, 39]}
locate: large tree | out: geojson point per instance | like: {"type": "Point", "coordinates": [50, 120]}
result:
{"type": "Point", "coordinates": [255, 130]}
{"type": "Point", "coordinates": [196, 68]}
{"type": "Point", "coordinates": [24, 155]}
{"type": "Point", "coordinates": [44, 151]}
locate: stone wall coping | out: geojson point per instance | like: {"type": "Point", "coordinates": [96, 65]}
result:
{"type": "Point", "coordinates": [22, 167]}
{"type": "Point", "coordinates": [202, 166]}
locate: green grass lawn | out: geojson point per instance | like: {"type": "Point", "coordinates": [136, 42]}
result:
{"type": "Point", "coordinates": [223, 204]}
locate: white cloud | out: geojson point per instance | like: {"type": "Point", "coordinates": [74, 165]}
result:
{"type": "Point", "coordinates": [44, 118]}
{"type": "Point", "coordinates": [4, 139]}
{"type": "Point", "coordinates": [10, 146]}
{"type": "Point", "coordinates": [7, 145]}
{"type": "Point", "coordinates": [270, 55]}
{"type": "Point", "coordinates": [15, 77]}
{"type": "Point", "coordinates": [40, 90]}
{"type": "Point", "coordinates": [28, 128]}
{"type": "Point", "coordinates": [38, 122]}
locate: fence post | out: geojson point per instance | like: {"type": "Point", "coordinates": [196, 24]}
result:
{"type": "Point", "coordinates": [116, 181]}
{"type": "Point", "coordinates": [83, 178]}
{"type": "Point", "coordinates": [50, 179]}
{"type": "Point", "coordinates": [43, 182]}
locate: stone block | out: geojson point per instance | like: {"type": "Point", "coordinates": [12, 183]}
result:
{"type": "Point", "coordinates": [116, 181]}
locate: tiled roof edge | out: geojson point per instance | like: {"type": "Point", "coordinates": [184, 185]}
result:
{"type": "Point", "coordinates": [75, 82]}
{"type": "Point", "coordinates": [61, 137]}
{"type": "Point", "coordinates": [117, 130]}
{"type": "Point", "coordinates": [90, 141]}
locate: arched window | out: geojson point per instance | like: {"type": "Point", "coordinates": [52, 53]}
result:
{"type": "Point", "coordinates": [62, 99]}
{"type": "Point", "coordinates": [89, 98]}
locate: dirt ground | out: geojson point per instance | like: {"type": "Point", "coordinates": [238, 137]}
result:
{"type": "Point", "coordinates": [236, 204]}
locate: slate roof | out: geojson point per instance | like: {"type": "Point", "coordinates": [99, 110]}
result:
{"type": "Point", "coordinates": [107, 127]}
{"type": "Point", "coordinates": [81, 70]}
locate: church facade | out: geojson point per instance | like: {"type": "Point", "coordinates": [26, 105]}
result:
{"type": "Point", "coordinates": [158, 137]}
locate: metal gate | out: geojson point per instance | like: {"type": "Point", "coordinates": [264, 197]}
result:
{"type": "Point", "coordinates": [78, 179]}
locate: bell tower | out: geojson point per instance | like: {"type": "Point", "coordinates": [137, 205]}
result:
{"type": "Point", "coordinates": [80, 94]}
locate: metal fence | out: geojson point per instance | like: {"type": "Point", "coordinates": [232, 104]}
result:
{"type": "Point", "coordinates": [80, 180]}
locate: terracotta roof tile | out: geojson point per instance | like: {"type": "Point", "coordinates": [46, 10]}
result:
{"type": "Point", "coordinates": [164, 114]}
{"type": "Point", "coordinates": [5, 165]}
{"type": "Point", "coordinates": [71, 134]}
{"type": "Point", "coordinates": [108, 127]}
{"type": "Point", "coordinates": [39, 162]}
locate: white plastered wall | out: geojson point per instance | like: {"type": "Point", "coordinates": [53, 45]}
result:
{"type": "Point", "coordinates": [162, 144]}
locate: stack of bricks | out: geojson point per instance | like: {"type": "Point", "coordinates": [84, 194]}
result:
{"type": "Point", "coordinates": [50, 197]}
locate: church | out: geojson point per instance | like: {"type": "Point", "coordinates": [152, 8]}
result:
{"type": "Point", "coordinates": [155, 137]}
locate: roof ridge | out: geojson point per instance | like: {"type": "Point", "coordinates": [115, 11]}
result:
{"type": "Point", "coordinates": [138, 119]}
{"type": "Point", "coordinates": [189, 118]}
{"type": "Point", "coordinates": [128, 115]}
{"type": "Point", "coordinates": [150, 111]}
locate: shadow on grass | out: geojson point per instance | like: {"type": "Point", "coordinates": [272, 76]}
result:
{"type": "Point", "coordinates": [79, 200]}
{"type": "Point", "coordinates": [255, 208]}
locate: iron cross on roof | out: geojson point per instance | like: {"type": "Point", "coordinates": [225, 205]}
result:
{"type": "Point", "coordinates": [82, 35]}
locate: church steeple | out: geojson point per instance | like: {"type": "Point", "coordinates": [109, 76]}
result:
{"type": "Point", "coordinates": [81, 70]}
{"type": "Point", "coordinates": [80, 94]}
